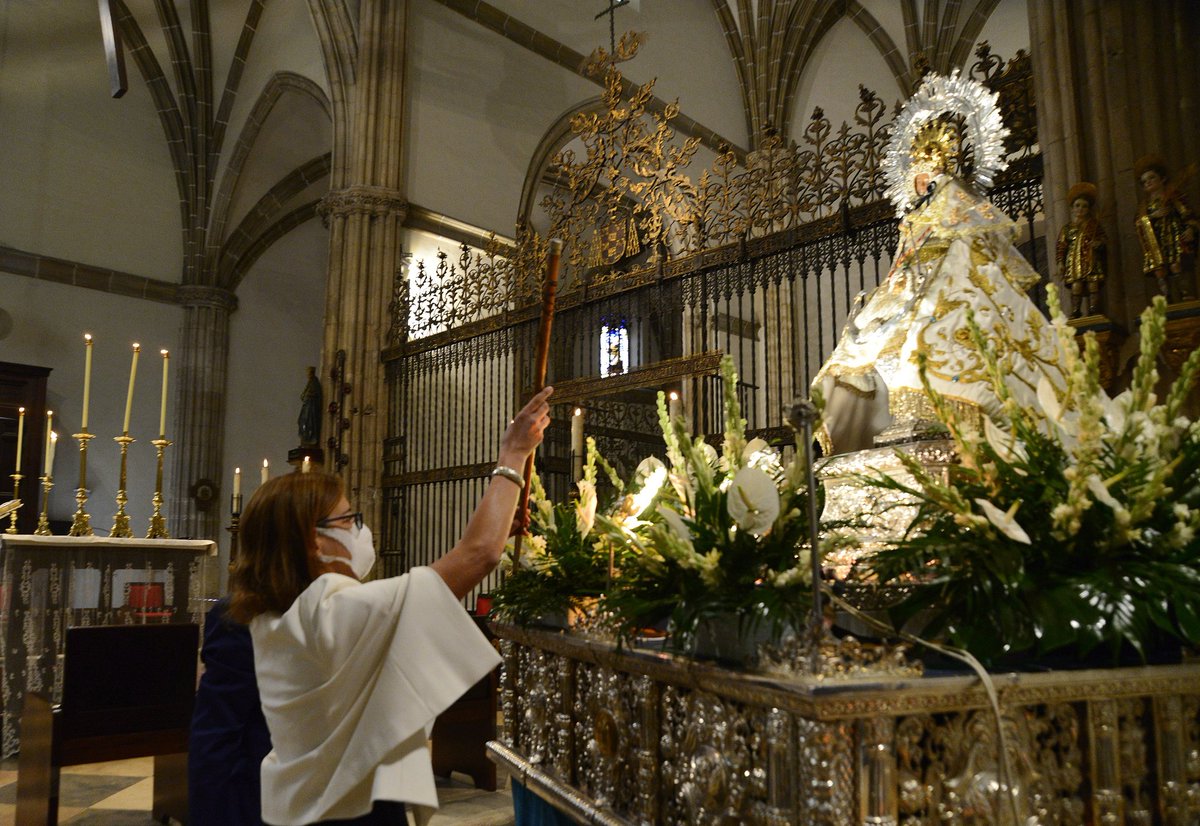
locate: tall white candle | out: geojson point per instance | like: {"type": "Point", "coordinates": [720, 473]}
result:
{"type": "Point", "coordinates": [577, 444]}
{"type": "Point", "coordinates": [162, 416]}
{"type": "Point", "coordinates": [49, 432]}
{"type": "Point", "coordinates": [137, 348]}
{"type": "Point", "coordinates": [306, 465]}
{"type": "Point", "coordinates": [237, 482]}
{"type": "Point", "coordinates": [266, 473]}
{"type": "Point", "coordinates": [87, 379]}
{"type": "Point", "coordinates": [20, 434]}
{"type": "Point", "coordinates": [50, 453]}
{"type": "Point", "coordinates": [674, 405]}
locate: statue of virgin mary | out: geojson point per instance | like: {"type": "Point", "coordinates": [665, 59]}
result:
{"type": "Point", "coordinates": [956, 254]}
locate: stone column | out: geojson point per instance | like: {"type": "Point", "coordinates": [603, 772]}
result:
{"type": "Point", "coordinates": [365, 213]}
{"type": "Point", "coordinates": [1114, 81]}
{"type": "Point", "coordinates": [198, 499]}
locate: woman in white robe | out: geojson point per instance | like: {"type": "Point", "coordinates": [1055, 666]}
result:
{"type": "Point", "coordinates": [352, 675]}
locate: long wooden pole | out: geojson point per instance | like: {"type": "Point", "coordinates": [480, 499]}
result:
{"type": "Point", "coordinates": [539, 372]}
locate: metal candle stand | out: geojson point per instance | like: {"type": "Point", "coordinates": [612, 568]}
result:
{"type": "Point", "coordinates": [120, 526]}
{"type": "Point", "coordinates": [16, 477]}
{"type": "Point", "coordinates": [43, 525]}
{"type": "Point", "coordinates": [81, 524]}
{"type": "Point", "coordinates": [158, 524]}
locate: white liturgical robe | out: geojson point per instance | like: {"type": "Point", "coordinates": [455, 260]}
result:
{"type": "Point", "coordinates": [351, 678]}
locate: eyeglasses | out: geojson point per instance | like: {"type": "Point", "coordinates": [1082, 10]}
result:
{"type": "Point", "coordinates": [329, 520]}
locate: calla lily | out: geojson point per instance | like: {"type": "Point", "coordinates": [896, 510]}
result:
{"type": "Point", "coordinates": [1099, 490]}
{"type": "Point", "coordinates": [753, 501]}
{"type": "Point", "coordinates": [709, 452]}
{"type": "Point", "coordinates": [585, 508]}
{"type": "Point", "coordinates": [1004, 522]}
{"type": "Point", "coordinates": [1047, 397]}
{"type": "Point", "coordinates": [639, 501]}
{"type": "Point", "coordinates": [676, 524]}
{"type": "Point", "coordinates": [1115, 411]}
{"type": "Point", "coordinates": [647, 467]}
{"type": "Point", "coordinates": [1004, 443]}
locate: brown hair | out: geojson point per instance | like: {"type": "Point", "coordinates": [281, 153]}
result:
{"type": "Point", "coordinates": [277, 539]}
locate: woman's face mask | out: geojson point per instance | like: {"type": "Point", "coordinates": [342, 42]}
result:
{"type": "Point", "coordinates": [358, 542]}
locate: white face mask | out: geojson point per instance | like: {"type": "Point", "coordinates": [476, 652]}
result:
{"type": "Point", "coordinates": [358, 542]}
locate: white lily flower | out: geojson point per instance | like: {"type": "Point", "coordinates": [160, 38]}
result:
{"type": "Point", "coordinates": [1004, 522]}
{"type": "Point", "coordinates": [585, 507]}
{"type": "Point", "coordinates": [753, 501]}
{"type": "Point", "coordinates": [710, 453]}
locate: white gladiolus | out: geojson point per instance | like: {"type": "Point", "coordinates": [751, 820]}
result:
{"type": "Point", "coordinates": [585, 507]}
{"type": "Point", "coordinates": [753, 501]}
{"type": "Point", "coordinates": [1004, 522]}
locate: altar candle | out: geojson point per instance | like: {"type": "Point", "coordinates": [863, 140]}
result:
{"type": "Point", "coordinates": [137, 348]}
{"type": "Point", "coordinates": [577, 443]}
{"type": "Point", "coordinates": [266, 473]}
{"type": "Point", "coordinates": [162, 416]}
{"type": "Point", "coordinates": [237, 482]}
{"type": "Point", "coordinates": [49, 433]}
{"type": "Point", "coordinates": [20, 434]}
{"type": "Point", "coordinates": [50, 453]}
{"type": "Point", "coordinates": [577, 432]}
{"type": "Point", "coordinates": [306, 466]}
{"type": "Point", "coordinates": [674, 405]}
{"type": "Point", "coordinates": [87, 379]}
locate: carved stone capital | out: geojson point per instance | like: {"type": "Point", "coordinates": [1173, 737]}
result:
{"type": "Point", "coordinates": [201, 295]}
{"type": "Point", "coordinates": [363, 200]}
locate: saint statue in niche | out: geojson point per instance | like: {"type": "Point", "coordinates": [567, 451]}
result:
{"type": "Point", "coordinates": [1080, 251]}
{"type": "Point", "coordinates": [1166, 229]}
{"type": "Point", "coordinates": [956, 259]}
{"type": "Point", "coordinates": [311, 407]}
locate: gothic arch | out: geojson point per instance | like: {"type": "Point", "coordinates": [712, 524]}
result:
{"type": "Point", "coordinates": [280, 84]}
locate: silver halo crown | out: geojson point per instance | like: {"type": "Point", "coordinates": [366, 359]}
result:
{"type": "Point", "coordinates": [938, 95]}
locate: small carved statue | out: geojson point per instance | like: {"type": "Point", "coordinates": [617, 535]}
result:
{"type": "Point", "coordinates": [311, 405]}
{"type": "Point", "coordinates": [1166, 229]}
{"type": "Point", "coordinates": [1081, 251]}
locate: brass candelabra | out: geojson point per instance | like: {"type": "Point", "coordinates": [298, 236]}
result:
{"type": "Point", "coordinates": [158, 524]}
{"type": "Point", "coordinates": [120, 526]}
{"type": "Point", "coordinates": [16, 477]}
{"type": "Point", "coordinates": [43, 525]}
{"type": "Point", "coordinates": [81, 524]}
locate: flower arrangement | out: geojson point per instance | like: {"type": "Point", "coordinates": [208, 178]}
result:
{"type": "Point", "coordinates": [1063, 529]}
{"type": "Point", "coordinates": [711, 536]}
{"type": "Point", "coordinates": [562, 559]}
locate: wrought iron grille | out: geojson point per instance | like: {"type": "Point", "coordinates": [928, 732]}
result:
{"type": "Point", "coordinates": [761, 263]}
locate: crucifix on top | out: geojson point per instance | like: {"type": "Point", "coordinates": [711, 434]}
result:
{"type": "Point", "coordinates": [618, 51]}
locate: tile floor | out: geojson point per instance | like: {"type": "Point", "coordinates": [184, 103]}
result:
{"type": "Point", "coordinates": [119, 794]}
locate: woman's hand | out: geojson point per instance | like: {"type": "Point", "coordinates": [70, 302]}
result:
{"type": "Point", "coordinates": [524, 433]}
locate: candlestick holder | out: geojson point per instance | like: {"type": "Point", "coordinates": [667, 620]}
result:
{"type": "Point", "coordinates": [43, 525]}
{"type": "Point", "coordinates": [234, 526]}
{"type": "Point", "coordinates": [81, 524]}
{"type": "Point", "coordinates": [16, 477]}
{"type": "Point", "coordinates": [158, 524]}
{"type": "Point", "coordinates": [120, 526]}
